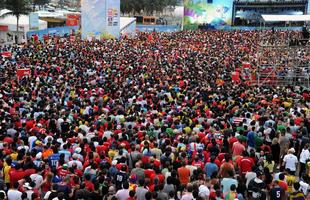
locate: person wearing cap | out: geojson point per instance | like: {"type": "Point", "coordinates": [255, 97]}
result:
{"type": "Point", "coordinates": [290, 161]}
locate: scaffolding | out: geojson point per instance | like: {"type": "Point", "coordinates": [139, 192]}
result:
{"type": "Point", "coordinates": [283, 58]}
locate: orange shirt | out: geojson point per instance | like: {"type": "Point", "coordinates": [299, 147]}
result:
{"type": "Point", "coordinates": [47, 153]}
{"type": "Point", "coordinates": [184, 175]}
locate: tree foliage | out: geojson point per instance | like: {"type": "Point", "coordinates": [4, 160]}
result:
{"type": "Point", "coordinates": [147, 6]}
{"type": "Point", "coordinates": [17, 8]}
{"type": "Point", "coordinates": [40, 2]}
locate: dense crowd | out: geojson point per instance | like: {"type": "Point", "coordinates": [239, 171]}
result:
{"type": "Point", "coordinates": [153, 117]}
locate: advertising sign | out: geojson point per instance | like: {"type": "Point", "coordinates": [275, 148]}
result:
{"type": "Point", "coordinates": [100, 18]}
{"type": "Point", "coordinates": [72, 20]}
{"type": "Point", "coordinates": [34, 21]}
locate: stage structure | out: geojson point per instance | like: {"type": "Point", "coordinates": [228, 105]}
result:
{"type": "Point", "coordinates": [284, 56]}
{"type": "Point", "coordinates": [100, 19]}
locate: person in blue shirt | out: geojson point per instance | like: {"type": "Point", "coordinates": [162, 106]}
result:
{"type": "Point", "coordinates": [211, 167]}
{"type": "Point", "coordinates": [251, 139]}
{"type": "Point", "coordinates": [65, 152]}
{"type": "Point", "coordinates": [54, 158]}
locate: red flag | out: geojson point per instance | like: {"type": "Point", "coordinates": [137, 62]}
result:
{"type": "Point", "coordinates": [150, 37]}
{"type": "Point", "coordinates": [22, 72]}
{"type": "Point", "coordinates": [6, 54]}
{"type": "Point", "coordinates": [235, 77]}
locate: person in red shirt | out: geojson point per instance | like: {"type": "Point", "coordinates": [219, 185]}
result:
{"type": "Point", "coordinates": [232, 140]}
{"type": "Point", "coordinates": [184, 174]}
{"type": "Point", "coordinates": [245, 164]}
{"type": "Point", "coordinates": [16, 174]}
{"type": "Point", "coordinates": [63, 171]}
{"type": "Point", "coordinates": [237, 148]}
{"type": "Point", "coordinates": [282, 183]}
{"type": "Point", "coordinates": [88, 184]}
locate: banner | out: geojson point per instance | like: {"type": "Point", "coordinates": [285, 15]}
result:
{"type": "Point", "coordinates": [4, 28]}
{"type": "Point", "coordinates": [100, 18]}
{"type": "Point", "coordinates": [73, 20]}
{"type": "Point", "coordinates": [217, 13]}
{"type": "Point", "coordinates": [113, 18]}
{"type": "Point", "coordinates": [235, 77]}
{"type": "Point", "coordinates": [34, 21]}
{"type": "Point", "coordinates": [6, 54]}
{"type": "Point", "coordinates": [22, 72]}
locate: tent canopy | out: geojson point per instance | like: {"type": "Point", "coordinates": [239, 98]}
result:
{"type": "Point", "coordinates": [286, 18]}
{"type": "Point", "coordinates": [126, 21]}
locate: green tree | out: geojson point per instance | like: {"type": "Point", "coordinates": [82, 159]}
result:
{"type": "Point", "coordinates": [2, 4]}
{"type": "Point", "coordinates": [17, 8]}
{"type": "Point", "coordinates": [148, 6]}
{"type": "Point", "coordinates": [39, 2]}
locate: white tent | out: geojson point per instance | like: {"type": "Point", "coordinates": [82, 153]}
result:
{"type": "Point", "coordinates": [125, 21]}
{"type": "Point", "coordinates": [11, 22]}
{"type": "Point", "coordinates": [286, 18]}
{"type": "Point", "coordinates": [128, 26]}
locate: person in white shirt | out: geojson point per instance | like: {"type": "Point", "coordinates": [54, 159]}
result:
{"type": "Point", "coordinates": [123, 194]}
{"type": "Point", "coordinates": [290, 160]}
{"type": "Point", "coordinates": [37, 178]}
{"type": "Point", "coordinates": [304, 156]}
{"type": "Point", "coordinates": [14, 194]}
{"type": "Point", "coordinates": [188, 194]}
{"type": "Point", "coordinates": [204, 191]}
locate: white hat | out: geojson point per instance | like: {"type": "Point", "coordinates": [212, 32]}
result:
{"type": "Point", "coordinates": [27, 185]}
{"type": "Point", "coordinates": [38, 156]}
{"type": "Point", "coordinates": [78, 150]}
{"type": "Point", "coordinates": [114, 162]}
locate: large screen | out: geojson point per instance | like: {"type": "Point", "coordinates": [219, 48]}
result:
{"type": "Point", "coordinates": [214, 12]}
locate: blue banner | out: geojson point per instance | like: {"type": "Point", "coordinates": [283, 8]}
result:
{"type": "Point", "coordinates": [59, 31]}
{"type": "Point", "coordinates": [100, 19]}
{"type": "Point", "coordinates": [34, 21]}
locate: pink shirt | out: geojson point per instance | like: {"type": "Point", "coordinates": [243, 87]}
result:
{"type": "Point", "coordinates": [237, 148]}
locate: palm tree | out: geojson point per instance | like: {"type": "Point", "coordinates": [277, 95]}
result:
{"type": "Point", "coordinates": [17, 8]}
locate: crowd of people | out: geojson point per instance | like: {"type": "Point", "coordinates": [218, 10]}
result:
{"type": "Point", "coordinates": [152, 117]}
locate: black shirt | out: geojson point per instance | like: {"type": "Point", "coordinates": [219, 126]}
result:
{"type": "Point", "coordinates": [277, 193]}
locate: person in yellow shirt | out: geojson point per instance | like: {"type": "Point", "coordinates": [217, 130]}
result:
{"type": "Point", "coordinates": [14, 155]}
{"type": "Point", "coordinates": [290, 180]}
{"type": "Point", "coordinates": [6, 171]}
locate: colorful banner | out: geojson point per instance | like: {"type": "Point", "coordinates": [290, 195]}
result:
{"type": "Point", "coordinates": [218, 13]}
{"type": "Point", "coordinates": [34, 21]}
{"type": "Point", "coordinates": [100, 18]}
{"type": "Point", "coordinates": [113, 18]}
{"type": "Point", "coordinates": [73, 20]}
